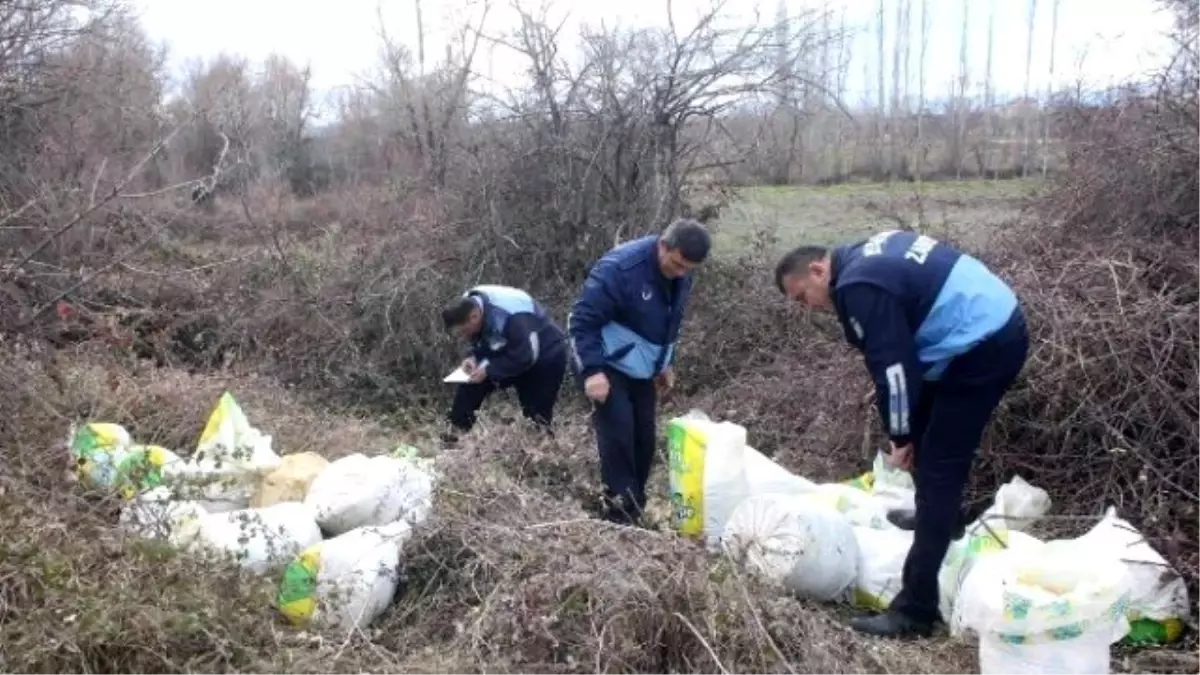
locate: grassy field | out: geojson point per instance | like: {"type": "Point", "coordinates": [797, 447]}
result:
{"type": "Point", "coordinates": [831, 215]}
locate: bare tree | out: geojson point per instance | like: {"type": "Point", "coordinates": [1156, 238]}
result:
{"type": "Point", "coordinates": [881, 112]}
{"type": "Point", "coordinates": [626, 137]}
{"type": "Point", "coordinates": [921, 149]}
{"type": "Point", "coordinates": [1046, 108]}
{"type": "Point", "coordinates": [960, 97]}
{"type": "Point", "coordinates": [285, 96]}
{"type": "Point", "coordinates": [1026, 126]}
{"type": "Point", "coordinates": [989, 93]}
{"type": "Point", "coordinates": [430, 102]}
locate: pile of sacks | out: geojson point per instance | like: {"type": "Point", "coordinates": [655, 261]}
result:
{"type": "Point", "coordinates": [334, 529]}
{"type": "Point", "coordinates": [1053, 606]}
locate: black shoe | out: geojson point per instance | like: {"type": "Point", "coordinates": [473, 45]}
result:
{"type": "Point", "coordinates": [621, 511]}
{"type": "Point", "coordinates": [892, 625]}
{"type": "Point", "coordinates": [903, 519]}
{"type": "Point", "coordinates": [907, 520]}
{"type": "Point", "coordinates": [449, 439]}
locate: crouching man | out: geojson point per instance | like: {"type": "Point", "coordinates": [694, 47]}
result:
{"type": "Point", "coordinates": [514, 342]}
{"type": "Point", "coordinates": [944, 339]}
{"type": "Point", "coordinates": [623, 330]}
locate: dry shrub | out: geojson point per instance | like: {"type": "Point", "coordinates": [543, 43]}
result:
{"type": "Point", "coordinates": [338, 294]}
{"type": "Point", "coordinates": [1105, 412]}
{"type": "Point", "coordinates": [1133, 168]}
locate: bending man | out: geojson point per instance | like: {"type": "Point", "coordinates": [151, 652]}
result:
{"type": "Point", "coordinates": [623, 329]}
{"type": "Point", "coordinates": [514, 342]}
{"type": "Point", "coordinates": [944, 339]}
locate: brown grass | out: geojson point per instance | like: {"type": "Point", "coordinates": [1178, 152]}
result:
{"type": "Point", "coordinates": [511, 575]}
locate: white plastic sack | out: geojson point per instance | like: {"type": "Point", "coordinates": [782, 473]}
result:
{"type": "Point", "coordinates": [345, 582]}
{"type": "Point", "coordinates": [1049, 610]}
{"type": "Point", "coordinates": [1158, 591]}
{"type": "Point", "coordinates": [357, 491]}
{"type": "Point", "coordinates": [259, 539]}
{"type": "Point", "coordinates": [230, 461]}
{"type": "Point", "coordinates": [862, 509]}
{"type": "Point", "coordinates": [881, 554]}
{"type": "Point", "coordinates": [796, 542]}
{"type": "Point", "coordinates": [764, 476]}
{"type": "Point", "coordinates": [155, 515]}
{"type": "Point", "coordinates": [957, 577]}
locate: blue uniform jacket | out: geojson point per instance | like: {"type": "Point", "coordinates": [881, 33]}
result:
{"type": "Point", "coordinates": [911, 304]}
{"type": "Point", "coordinates": [516, 331]}
{"type": "Point", "coordinates": [628, 314]}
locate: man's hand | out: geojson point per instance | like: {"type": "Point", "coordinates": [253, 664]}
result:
{"type": "Point", "coordinates": [596, 388]}
{"type": "Point", "coordinates": [477, 374]}
{"type": "Point", "coordinates": [468, 366]}
{"type": "Point", "coordinates": [901, 457]}
{"type": "Point", "coordinates": [665, 381]}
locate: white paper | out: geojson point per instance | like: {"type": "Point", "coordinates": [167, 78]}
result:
{"type": "Point", "coordinates": [457, 377]}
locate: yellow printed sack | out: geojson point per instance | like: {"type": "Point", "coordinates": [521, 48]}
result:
{"type": "Point", "coordinates": [345, 582]}
{"type": "Point", "coordinates": [297, 599]}
{"type": "Point", "coordinates": [707, 474]}
{"type": "Point", "coordinates": [106, 458]}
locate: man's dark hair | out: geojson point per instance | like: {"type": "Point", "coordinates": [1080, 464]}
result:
{"type": "Point", "coordinates": [796, 260]}
{"type": "Point", "coordinates": [689, 238]}
{"type": "Point", "coordinates": [456, 312]}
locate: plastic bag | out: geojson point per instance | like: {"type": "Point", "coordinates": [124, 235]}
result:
{"type": "Point", "coordinates": [290, 482]}
{"type": "Point", "coordinates": [867, 499]}
{"type": "Point", "coordinates": [357, 491]}
{"type": "Point", "coordinates": [106, 458]}
{"type": "Point", "coordinates": [881, 554]}
{"type": "Point", "coordinates": [1159, 598]}
{"type": "Point", "coordinates": [345, 582]}
{"type": "Point", "coordinates": [707, 474]}
{"type": "Point", "coordinates": [155, 515]}
{"type": "Point", "coordinates": [230, 461]}
{"type": "Point", "coordinates": [1046, 610]}
{"type": "Point", "coordinates": [892, 486]}
{"type": "Point", "coordinates": [1017, 504]}
{"type": "Point", "coordinates": [797, 542]}
{"type": "Point", "coordinates": [259, 539]}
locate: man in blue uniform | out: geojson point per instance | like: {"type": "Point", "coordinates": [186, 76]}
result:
{"type": "Point", "coordinates": [944, 339]}
{"type": "Point", "coordinates": [623, 330]}
{"type": "Point", "coordinates": [514, 342]}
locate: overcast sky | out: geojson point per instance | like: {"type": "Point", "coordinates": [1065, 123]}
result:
{"type": "Point", "coordinates": [1099, 41]}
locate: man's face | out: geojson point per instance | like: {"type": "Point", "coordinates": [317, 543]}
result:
{"type": "Point", "coordinates": [672, 263]}
{"type": "Point", "coordinates": [469, 329]}
{"type": "Point", "coordinates": [810, 287]}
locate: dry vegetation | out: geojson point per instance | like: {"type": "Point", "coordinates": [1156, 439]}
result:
{"type": "Point", "coordinates": [154, 255]}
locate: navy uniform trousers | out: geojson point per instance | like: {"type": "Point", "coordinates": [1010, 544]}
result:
{"type": "Point", "coordinates": [626, 430]}
{"type": "Point", "coordinates": [537, 391]}
{"type": "Point", "coordinates": [949, 422]}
